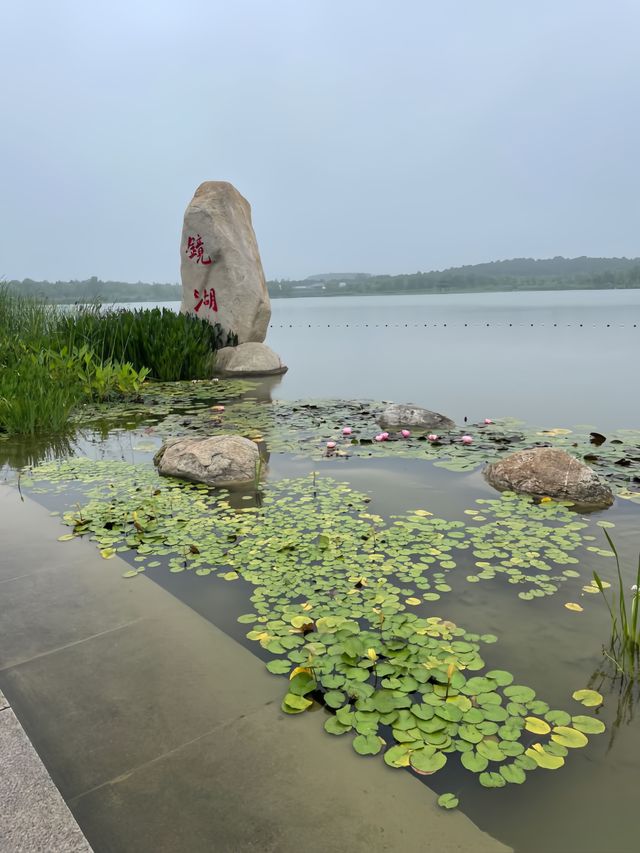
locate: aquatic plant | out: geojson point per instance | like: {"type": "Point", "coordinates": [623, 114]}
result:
{"type": "Point", "coordinates": [334, 593]}
{"type": "Point", "coordinates": [171, 346]}
{"type": "Point", "coordinates": [624, 644]}
{"type": "Point", "coordinates": [43, 375]}
{"type": "Point", "coordinates": [304, 427]}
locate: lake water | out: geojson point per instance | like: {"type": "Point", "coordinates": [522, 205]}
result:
{"type": "Point", "coordinates": [553, 358]}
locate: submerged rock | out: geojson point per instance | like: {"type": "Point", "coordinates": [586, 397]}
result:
{"type": "Point", "coordinates": [222, 277]}
{"type": "Point", "coordinates": [250, 359]}
{"type": "Point", "coordinates": [409, 415]}
{"type": "Point", "coordinates": [549, 471]}
{"type": "Point", "coordinates": [217, 461]}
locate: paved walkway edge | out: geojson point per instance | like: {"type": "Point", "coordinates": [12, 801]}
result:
{"type": "Point", "coordinates": [33, 815]}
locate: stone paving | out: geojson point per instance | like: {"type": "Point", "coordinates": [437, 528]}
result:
{"type": "Point", "coordinates": [164, 735]}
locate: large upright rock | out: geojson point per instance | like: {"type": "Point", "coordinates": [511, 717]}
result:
{"type": "Point", "coordinates": [222, 277]}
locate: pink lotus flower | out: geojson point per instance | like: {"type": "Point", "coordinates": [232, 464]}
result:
{"type": "Point", "coordinates": [346, 430]}
{"type": "Point", "coordinates": [405, 433]}
{"type": "Point", "coordinates": [379, 437]}
{"type": "Point", "coordinates": [432, 437]}
{"type": "Point", "coordinates": [466, 439]}
{"type": "Point", "coordinates": [488, 421]}
{"type": "Point", "coordinates": [331, 445]}
{"type": "Point", "coordinates": [385, 435]}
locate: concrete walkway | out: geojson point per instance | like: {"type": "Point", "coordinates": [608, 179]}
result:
{"type": "Point", "coordinates": [33, 815]}
{"type": "Point", "coordinates": [164, 735]}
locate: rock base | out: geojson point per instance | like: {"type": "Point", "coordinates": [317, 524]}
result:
{"type": "Point", "coordinates": [249, 359]}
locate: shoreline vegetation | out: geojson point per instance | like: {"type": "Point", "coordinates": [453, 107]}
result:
{"type": "Point", "coordinates": [519, 274]}
{"type": "Point", "coordinates": [52, 361]}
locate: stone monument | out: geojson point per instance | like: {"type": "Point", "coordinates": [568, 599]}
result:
{"type": "Point", "coordinates": [222, 277]}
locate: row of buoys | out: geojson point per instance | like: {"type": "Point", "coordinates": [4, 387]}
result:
{"type": "Point", "coordinates": [444, 325]}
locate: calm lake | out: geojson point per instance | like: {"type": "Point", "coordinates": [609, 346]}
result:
{"type": "Point", "coordinates": [558, 358]}
{"type": "Point", "coordinates": [550, 359]}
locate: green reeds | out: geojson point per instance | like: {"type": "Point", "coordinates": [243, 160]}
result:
{"type": "Point", "coordinates": [171, 346]}
{"type": "Point", "coordinates": [625, 634]}
{"type": "Point", "coordinates": [45, 373]}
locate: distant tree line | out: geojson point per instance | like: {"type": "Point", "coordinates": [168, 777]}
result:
{"type": "Point", "coordinates": [95, 290]}
{"type": "Point", "coordinates": [517, 274]}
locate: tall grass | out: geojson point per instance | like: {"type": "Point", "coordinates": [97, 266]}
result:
{"type": "Point", "coordinates": [29, 400]}
{"type": "Point", "coordinates": [171, 346]}
{"type": "Point", "coordinates": [51, 359]}
{"type": "Point", "coordinates": [625, 632]}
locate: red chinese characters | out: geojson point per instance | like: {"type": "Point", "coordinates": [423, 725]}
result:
{"type": "Point", "coordinates": [195, 250]}
{"type": "Point", "coordinates": [208, 299]}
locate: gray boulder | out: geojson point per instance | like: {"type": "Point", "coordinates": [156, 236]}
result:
{"type": "Point", "coordinates": [222, 277]}
{"type": "Point", "coordinates": [250, 359]}
{"type": "Point", "coordinates": [409, 415]}
{"type": "Point", "coordinates": [218, 461]}
{"type": "Point", "coordinates": [552, 472]}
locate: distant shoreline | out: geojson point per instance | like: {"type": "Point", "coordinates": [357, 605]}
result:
{"type": "Point", "coordinates": [518, 275]}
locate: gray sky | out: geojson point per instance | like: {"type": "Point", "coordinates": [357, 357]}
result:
{"type": "Point", "coordinates": [367, 135]}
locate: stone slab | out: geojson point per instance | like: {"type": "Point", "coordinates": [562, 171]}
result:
{"type": "Point", "coordinates": [33, 816]}
{"type": "Point", "coordinates": [164, 734]}
{"type": "Point", "coordinates": [271, 784]}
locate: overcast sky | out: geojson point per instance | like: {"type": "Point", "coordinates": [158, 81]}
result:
{"type": "Point", "coordinates": [367, 135]}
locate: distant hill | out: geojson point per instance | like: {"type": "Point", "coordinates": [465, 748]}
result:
{"type": "Point", "coordinates": [516, 274]}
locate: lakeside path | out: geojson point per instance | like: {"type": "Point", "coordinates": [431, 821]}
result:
{"type": "Point", "coordinates": [164, 735]}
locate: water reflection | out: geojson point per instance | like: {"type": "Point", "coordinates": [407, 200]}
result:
{"type": "Point", "coordinates": [620, 690]}
{"type": "Point", "coordinates": [20, 452]}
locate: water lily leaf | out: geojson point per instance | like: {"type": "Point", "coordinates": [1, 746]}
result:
{"type": "Point", "coordinates": [544, 759]}
{"type": "Point", "coordinates": [537, 726]}
{"type": "Point", "coordinates": [66, 537]}
{"type": "Point", "coordinates": [571, 605]}
{"type": "Point", "coordinates": [520, 694]}
{"type": "Point", "coordinates": [383, 701]}
{"type": "Point", "coordinates": [474, 762]}
{"type": "Point", "coordinates": [589, 698]}
{"type": "Point", "coordinates": [558, 718]}
{"type": "Point", "coordinates": [279, 666]}
{"type": "Point", "coordinates": [566, 736]}
{"type": "Point", "coordinates": [513, 773]}
{"type": "Point", "coordinates": [369, 744]}
{"type": "Point", "coordinates": [448, 801]}
{"type": "Point", "coordinates": [397, 756]}
{"type": "Point", "coordinates": [470, 733]}
{"type": "Point", "coordinates": [490, 749]}
{"type": "Point", "coordinates": [292, 704]}
{"type": "Point", "coordinates": [334, 727]}
{"type": "Point", "coordinates": [492, 780]}
{"type": "Point", "coordinates": [588, 725]}
{"type": "Point", "coordinates": [526, 762]}
{"type": "Point", "coordinates": [501, 677]}
{"type": "Point", "coordinates": [427, 760]}
{"type": "Point", "coordinates": [132, 573]}
{"type": "Point", "coordinates": [302, 683]}
{"type": "Point", "coordinates": [334, 698]}
{"type": "Point", "coordinates": [108, 553]}
{"type": "Point", "coordinates": [230, 576]}
{"type": "Point", "coordinates": [449, 711]}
